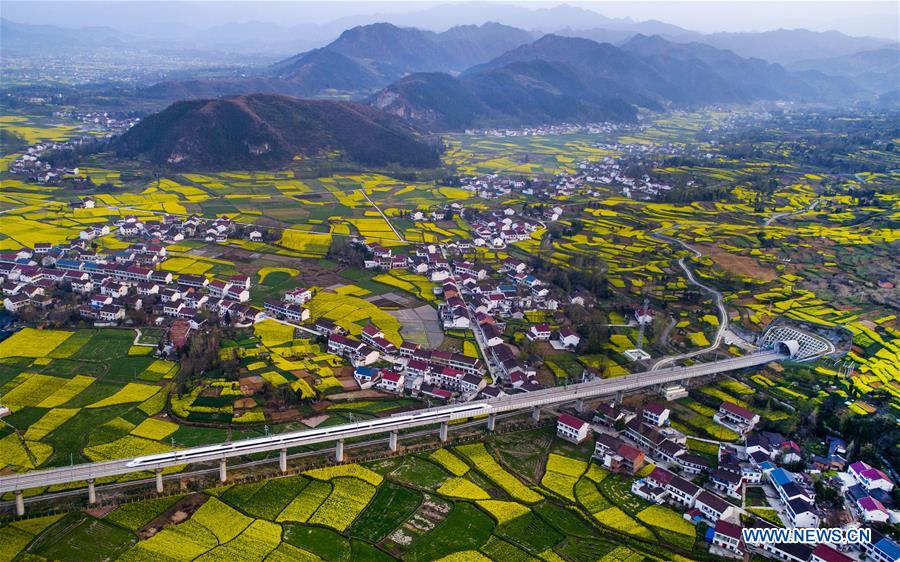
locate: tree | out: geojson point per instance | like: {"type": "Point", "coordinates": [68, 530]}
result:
{"type": "Point", "coordinates": [825, 494]}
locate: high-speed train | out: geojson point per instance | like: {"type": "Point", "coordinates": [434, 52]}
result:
{"type": "Point", "coordinates": [301, 437]}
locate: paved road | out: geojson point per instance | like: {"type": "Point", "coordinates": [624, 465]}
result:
{"type": "Point", "coordinates": [777, 216]}
{"type": "Point", "coordinates": [717, 297]}
{"type": "Point", "coordinates": [315, 333]}
{"type": "Point", "coordinates": [426, 417]}
{"type": "Point", "coordinates": [480, 340]}
{"type": "Point", "coordinates": [384, 216]}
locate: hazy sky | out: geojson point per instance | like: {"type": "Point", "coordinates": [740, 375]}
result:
{"type": "Point", "coordinates": [855, 18]}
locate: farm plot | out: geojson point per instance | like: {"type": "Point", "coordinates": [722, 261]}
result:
{"type": "Point", "coordinates": [562, 474]}
{"type": "Point", "coordinates": [487, 465]}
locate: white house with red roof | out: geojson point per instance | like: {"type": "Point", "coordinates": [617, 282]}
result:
{"type": "Point", "coordinates": [660, 477]}
{"type": "Point", "coordinates": [872, 510]}
{"type": "Point", "coordinates": [370, 333]}
{"type": "Point", "coordinates": [736, 418]}
{"type": "Point", "coordinates": [390, 381]}
{"type": "Point", "coordinates": [299, 295]}
{"type": "Point", "coordinates": [240, 281]}
{"type": "Point", "coordinates": [656, 414]}
{"type": "Point", "coordinates": [572, 429]}
{"type": "Point", "coordinates": [539, 332]}
{"type": "Point", "coordinates": [567, 338]}
{"type": "Point", "coordinates": [728, 536]}
{"type": "Point", "coordinates": [869, 477]}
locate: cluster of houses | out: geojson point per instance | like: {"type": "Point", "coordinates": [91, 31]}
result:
{"type": "Point", "coordinates": [472, 300]}
{"type": "Point", "coordinates": [556, 129]}
{"type": "Point", "coordinates": [36, 170]}
{"type": "Point", "coordinates": [626, 441]}
{"type": "Point", "coordinates": [423, 372]}
{"type": "Point", "coordinates": [868, 490]}
{"type": "Point", "coordinates": [517, 290]}
{"type": "Point", "coordinates": [172, 229]}
{"type": "Point", "coordinates": [99, 120]}
{"type": "Point", "coordinates": [109, 285]}
{"type": "Point", "coordinates": [494, 186]}
{"type": "Point", "coordinates": [611, 171]}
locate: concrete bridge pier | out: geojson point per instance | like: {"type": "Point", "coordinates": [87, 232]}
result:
{"type": "Point", "coordinates": [223, 471]}
{"type": "Point", "coordinates": [445, 428]}
{"type": "Point", "coordinates": [282, 460]}
{"type": "Point", "coordinates": [392, 440]}
{"type": "Point", "coordinates": [579, 405]}
{"type": "Point", "coordinates": [339, 450]}
{"type": "Point", "coordinates": [536, 413]}
{"type": "Point", "coordinates": [92, 492]}
{"type": "Point", "coordinates": [618, 398]}
{"type": "Point", "coordinates": [492, 422]}
{"type": "Point", "coordinates": [20, 503]}
{"type": "Point", "coordinates": [159, 481]}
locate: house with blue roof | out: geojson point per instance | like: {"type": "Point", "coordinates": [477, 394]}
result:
{"type": "Point", "coordinates": [72, 265]}
{"type": "Point", "coordinates": [780, 477]}
{"type": "Point", "coordinates": [366, 376]}
{"type": "Point", "coordinates": [882, 549]}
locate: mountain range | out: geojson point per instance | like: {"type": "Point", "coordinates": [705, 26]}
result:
{"type": "Point", "coordinates": [559, 78]}
{"type": "Point", "coordinates": [400, 66]}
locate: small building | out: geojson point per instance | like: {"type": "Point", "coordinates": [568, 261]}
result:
{"type": "Point", "coordinates": [727, 481]}
{"type": "Point", "coordinates": [390, 381]}
{"type": "Point", "coordinates": [539, 332]}
{"type": "Point", "coordinates": [713, 508]}
{"type": "Point", "coordinates": [656, 414]}
{"type": "Point", "coordinates": [870, 478]}
{"type": "Point", "coordinates": [736, 418]}
{"type": "Point", "coordinates": [471, 383]}
{"type": "Point", "coordinates": [626, 459]}
{"type": "Point", "coordinates": [872, 510]}
{"type": "Point", "coordinates": [683, 491]}
{"type": "Point", "coordinates": [882, 549]}
{"type": "Point", "coordinates": [572, 429]}
{"type": "Point", "coordinates": [568, 338]}
{"type": "Point", "coordinates": [728, 536]}
{"type": "Point", "coordinates": [801, 513]}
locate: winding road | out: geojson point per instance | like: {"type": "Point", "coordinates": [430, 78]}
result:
{"type": "Point", "coordinates": [777, 216]}
{"type": "Point", "coordinates": [718, 298]}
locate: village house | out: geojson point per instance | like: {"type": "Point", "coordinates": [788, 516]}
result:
{"type": "Point", "coordinates": [656, 414]}
{"type": "Point", "coordinates": [539, 332]}
{"type": "Point", "coordinates": [714, 508]}
{"type": "Point", "coordinates": [566, 338]}
{"type": "Point", "coordinates": [727, 535]}
{"type": "Point", "coordinates": [736, 418]}
{"type": "Point", "coordinates": [870, 478]}
{"type": "Point", "coordinates": [572, 429]}
{"type": "Point", "coordinates": [390, 381]}
{"type": "Point", "coordinates": [683, 491]}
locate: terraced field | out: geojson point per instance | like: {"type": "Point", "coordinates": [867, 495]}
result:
{"type": "Point", "coordinates": [357, 511]}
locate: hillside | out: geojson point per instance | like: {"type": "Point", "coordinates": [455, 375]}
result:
{"type": "Point", "coordinates": [265, 130]}
{"type": "Point", "coordinates": [560, 78]}
{"type": "Point", "coordinates": [877, 70]}
{"type": "Point", "coordinates": [521, 93]}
